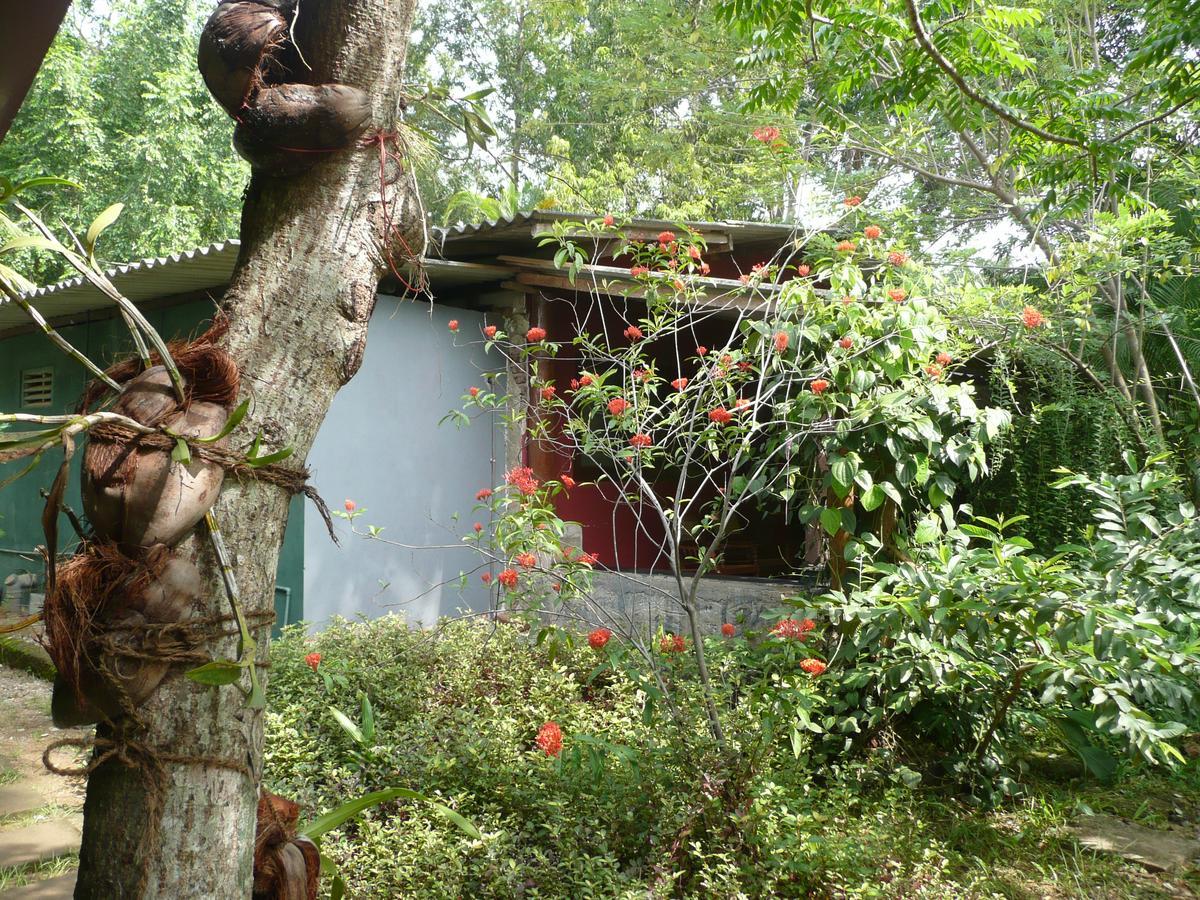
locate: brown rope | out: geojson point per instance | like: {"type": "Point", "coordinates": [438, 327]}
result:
{"type": "Point", "coordinates": [292, 480]}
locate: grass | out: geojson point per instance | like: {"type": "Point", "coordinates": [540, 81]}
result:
{"type": "Point", "coordinates": [18, 876]}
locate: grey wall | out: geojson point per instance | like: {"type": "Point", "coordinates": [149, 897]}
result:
{"type": "Point", "coordinates": [382, 447]}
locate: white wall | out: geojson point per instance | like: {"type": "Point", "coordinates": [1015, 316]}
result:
{"type": "Point", "coordinates": [382, 447]}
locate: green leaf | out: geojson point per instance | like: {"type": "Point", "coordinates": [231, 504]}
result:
{"type": "Point", "coordinates": [30, 242]}
{"type": "Point", "coordinates": [181, 454]}
{"type": "Point", "coordinates": [831, 520]}
{"type": "Point", "coordinates": [368, 721]}
{"type": "Point", "coordinates": [347, 726]}
{"type": "Point", "coordinates": [234, 420]}
{"type": "Point", "coordinates": [348, 810]}
{"type": "Point", "coordinates": [872, 498]}
{"type": "Point", "coordinates": [98, 226]}
{"type": "Point", "coordinates": [275, 457]}
{"type": "Point", "coordinates": [216, 672]}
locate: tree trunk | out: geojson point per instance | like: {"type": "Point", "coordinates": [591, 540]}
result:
{"type": "Point", "coordinates": [299, 305]}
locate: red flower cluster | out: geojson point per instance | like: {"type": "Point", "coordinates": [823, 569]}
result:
{"type": "Point", "coordinates": [585, 380]}
{"type": "Point", "coordinates": [489, 332]}
{"type": "Point", "coordinates": [742, 403]}
{"type": "Point", "coordinates": [640, 441]}
{"type": "Point", "coordinates": [853, 201]}
{"type": "Point", "coordinates": [508, 578]}
{"type": "Point", "coordinates": [526, 560]}
{"type": "Point", "coordinates": [933, 371]}
{"type": "Point", "coordinates": [781, 341]}
{"type": "Point", "coordinates": [846, 247]}
{"type": "Point", "coordinates": [633, 333]}
{"type": "Point", "coordinates": [638, 271]}
{"type": "Point", "coordinates": [694, 252]}
{"type": "Point", "coordinates": [813, 666]}
{"type": "Point", "coordinates": [720, 415]}
{"type": "Point", "coordinates": [478, 526]}
{"type": "Point", "coordinates": [679, 384]}
{"type": "Point", "coordinates": [944, 358]}
{"type": "Point", "coordinates": [588, 559]}
{"type": "Point", "coordinates": [548, 392]}
{"type": "Point", "coordinates": [313, 660]}
{"type": "Point", "coordinates": [819, 386]}
{"type": "Point", "coordinates": [768, 134]}
{"type": "Point", "coordinates": [535, 334]}
{"type": "Point", "coordinates": [473, 391]}
{"type": "Point", "coordinates": [872, 232]}
{"type": "Point", "coordinates": [567, 481]}
{"type": "Point", "coordinates": [642, 374]}
{"type": "Point", "coordinates": [665, 238]}
{"type": "Point", "coordinates": [701, 350]}
{"type": "Point", "coordinates": [803, 270]}
{"type": "Point", "coordinates": [550, 738]}
{"type": "Point", "coordinates": [898, 294]}
{"type": "Point", "coordinates": [705, 268]}
{"type": "Point", "coordinates": [898, 258]}
{"type": "Point", "coordinates": [483, 494]}
{"type": "Point", "coordinates": [350, 505]}
{"type": "Point", "coordinates": [486, 577]}
{"type": "Point", "coordinates": [609, 221]}
{"type": "Point", "coordinates": [598, 637]}
{"type": "Point", "coordinates": [618, 405]}
{"type": "Point", "coordinates": [672, 643]}
{"type": "Point", "coordinates": [522, 479]}
{"type": "Point", "coordinates": [1032, 318]}
{"type": "Point", "coordinates": [846, 343]}
{"type": "Point", "coordinates": [728, 630]}
{"type": "Point", "coordinates": [452, 324]}
{"type": "Point", "coordinates": [793, 628]}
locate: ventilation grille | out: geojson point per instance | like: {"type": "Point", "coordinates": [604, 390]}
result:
{"type": "Point", "coordinates": [37, 387]}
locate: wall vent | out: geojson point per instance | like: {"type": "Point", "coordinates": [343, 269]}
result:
{"type": "Point", "coordinates": [37, 387]}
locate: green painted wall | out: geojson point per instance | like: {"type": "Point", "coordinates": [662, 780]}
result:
{"type": "Point", "coordinates": [103, 340]}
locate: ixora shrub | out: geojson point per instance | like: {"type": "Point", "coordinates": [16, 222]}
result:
{"type": "Point", "coordinates": [975, 643]}
{"type": "Point", "coordinates": [828, 395]}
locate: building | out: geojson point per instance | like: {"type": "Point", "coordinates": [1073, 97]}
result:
{"type": "Point", "coordinates": [382, 445]}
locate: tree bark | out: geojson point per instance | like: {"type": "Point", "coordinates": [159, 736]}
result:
{"type": "Point", "coordinates": [299, 305]}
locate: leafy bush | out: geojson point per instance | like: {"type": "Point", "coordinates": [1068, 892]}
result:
{"type": "Point", "coordinates": [975, 640]}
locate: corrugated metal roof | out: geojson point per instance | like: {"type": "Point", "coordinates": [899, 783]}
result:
{"type": "Point", "coordinates": [210, 267]}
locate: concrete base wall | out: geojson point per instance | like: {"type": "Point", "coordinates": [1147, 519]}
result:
{"type": "Point", "coordinates": [642, 603]}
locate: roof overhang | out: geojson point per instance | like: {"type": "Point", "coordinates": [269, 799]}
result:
{"type": "Point", "coordinates": [26, 32]}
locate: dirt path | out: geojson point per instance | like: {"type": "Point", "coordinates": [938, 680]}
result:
{"type": "Point", "coordinates": [26, 729]}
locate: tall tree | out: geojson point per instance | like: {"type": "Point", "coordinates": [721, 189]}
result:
{"type": "Point", "coordinates": [314, 248]}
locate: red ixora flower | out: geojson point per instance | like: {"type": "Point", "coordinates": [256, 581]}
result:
{"type": "Point", "coordinates": [705, 268]}
{"type": "Point", "coordinates": [567, 481]}
{"type": "Point", "coordinates": [898, 294]}
{"type": "Point", "coordinates": [478, 527]}
{"type": "Point", "coordinates": [846, 343]}
{"type": "Point", "coordinates": [744, 278]}
{"type": "Point", "coordinates": [728, 630]}
{"type": "Point", "coordinates": [609, 221]}
{"type": "Point", "coordinates": [483, 494]}
{"type": "Point", "coordinates": [872, 232]}
{"type": "Point", "coordinates": [642, 374]}
{"type": "Point", "coordinates": [666, 237]}
{"type": "Point", "coordinates": [526, 560]}
{"type": "Point", "coordinates": [473, 391]}
{"type": "Point", "coordinates": [585, 380]}
{"type": "Point", "coordinates": [793, 628]}
{"type": "Point", "coordinates": [898, 258]}
{"type": "Point", "coordinates": [313, 660]}
{"type": "Point", "coordinates": [548, 392]}
{"type": "Point", "coordinates": [781, 341]}
{"type": "Point", "coordinates": [813, 666]}
{"type": "Point", "coordinates": [535, 334]}
{"type": "Point", "coordinates": [694, 252]}
{"type": "Point", "coordinates": [1032, 318]}
{"type": "Point", "coordinates": [933, 371]}
{"type": "Point", "coordinates": [489, 332]}
{"type": "Point", "coordinates": [486, 577]}
{"type": "Point", "coordinates": [853, 201]}
{"type": "Point", "coordinates": [679, 384]}
{"type": "Point", "coordinates": [587, 559]}
{"type": "Point", "coordinates": [350, 505]}
{"type": "Point", "coordinates": [845, 247]}
{"type": "Point", "coordinates": [508, 578]}
{"type": "Point", "coordinates": [452, 324]}
{"type": "Point", "coordinates": [819, 386]}
{"type": "Point", "coordinates": [944, 358]}
{"type": "Point", "coordinates": [550, 738]}
{"type": "Point", "coordinates": [701, 350]}
{"type": "Point", "coordinates": [672, 643]}
{"type": "Point", "coordinates": [640, 441]}
{"type": "Point", "coordinates": [633, 333]}
{"type": "Point", "coordinates": [720, 415]}
{"type": "Point", "coordinates": [522, 479]}
{"type": "Point", "coordinates": [639, 271]}
{"type": "Point", "coordinates": [768, 134]}
{"type": "Point", "coordinates": [803, 270]}
{"type": "Point", "coordinates": [618, 405]}
{"type": "Point", "coordinates": [598, 637]}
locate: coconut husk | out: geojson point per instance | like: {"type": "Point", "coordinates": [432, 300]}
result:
{"type": "Point", "coordinates": [108, 629]}
{"type": "Point", "coordinates": [286, 866]}
{"type": "Point", "coordinates": [290, 127]}
{"type": "Point", "coordinates": [138, 496]}
{"type": "Point", "coordinates": [209, 373]}
{"type": "Point", "coordinates": [238, 43]}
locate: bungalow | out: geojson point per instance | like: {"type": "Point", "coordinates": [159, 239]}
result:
{"type": "Point", "coordinates": [381, 445]}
